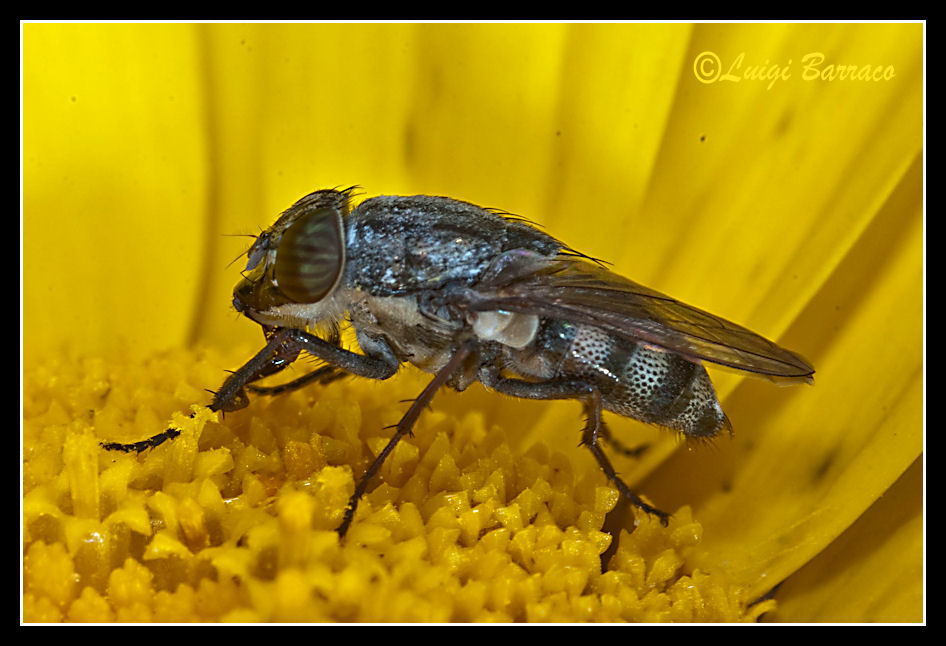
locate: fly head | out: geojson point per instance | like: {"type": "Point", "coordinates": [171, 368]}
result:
{"type": "Point", "coordinates": [294, 267]}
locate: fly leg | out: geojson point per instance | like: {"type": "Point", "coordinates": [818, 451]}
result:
{"type": "Point", "coordinates": [616, 444]}
{"type": "Point", "coordinates": [594, 427]}
{"type": "Point", "coordinates": [323, 375]}
{"type": "Point", "coordinates": [282, 348]}
{"type": "Point", "coordinates": [403, 428]}
{"type": "Point", "coordinates": [230, 397]}
{"type": "Point", "coordinates": [589, 437]}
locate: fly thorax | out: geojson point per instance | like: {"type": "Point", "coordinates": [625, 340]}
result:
{"type": "Point", "coordinates": [425, 341]}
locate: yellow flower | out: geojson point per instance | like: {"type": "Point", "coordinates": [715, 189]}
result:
{"type": "Point", "coordinates": [772, 174]}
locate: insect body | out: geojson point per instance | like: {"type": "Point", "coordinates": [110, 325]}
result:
{"type": "Point", "coordinates": [470, 294]}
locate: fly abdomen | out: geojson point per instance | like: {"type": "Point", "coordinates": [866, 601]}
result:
{"type": "Point", "coordinates": [645, 383]}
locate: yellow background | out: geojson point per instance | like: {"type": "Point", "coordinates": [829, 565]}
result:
{"type": "Point", "coordinates": [795, 209]}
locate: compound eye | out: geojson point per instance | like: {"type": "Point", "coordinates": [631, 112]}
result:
{"type": "Point", "coordinates": [310, 256]}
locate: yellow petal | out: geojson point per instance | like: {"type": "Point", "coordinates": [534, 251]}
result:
{"type": "Point", "coordinates": [785, 201]}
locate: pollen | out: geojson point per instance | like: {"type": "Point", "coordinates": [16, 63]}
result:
{"type": "Point", "coordinates": [234, 520]}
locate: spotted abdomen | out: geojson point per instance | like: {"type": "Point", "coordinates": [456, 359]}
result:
{"type": "Point", "coordinates": [643, 382]}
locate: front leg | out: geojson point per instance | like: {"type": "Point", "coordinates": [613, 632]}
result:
{"type": "Point", "coordinates": [231, 396]}
{"type": "Point", "coordinates": [274, 357]}
{"type": "Point", "coordinates": [378, 362]}
{"type": "Point", "coordinates": [323, 375]}
{"type": "Point", "coordinates": [282, 348]}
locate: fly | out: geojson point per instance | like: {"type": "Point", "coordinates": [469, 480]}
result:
{"type": "Point", "coordinates": [471, 294]}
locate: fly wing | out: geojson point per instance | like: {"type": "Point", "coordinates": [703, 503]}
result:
{"type": "Point", "coordinates": [585, 293]}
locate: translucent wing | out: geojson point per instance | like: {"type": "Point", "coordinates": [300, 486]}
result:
{"type": "Point", "coordinates": [579, 291]}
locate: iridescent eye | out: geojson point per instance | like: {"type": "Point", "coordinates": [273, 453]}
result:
{"type": "Point", "coordinates": [310, 256]}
